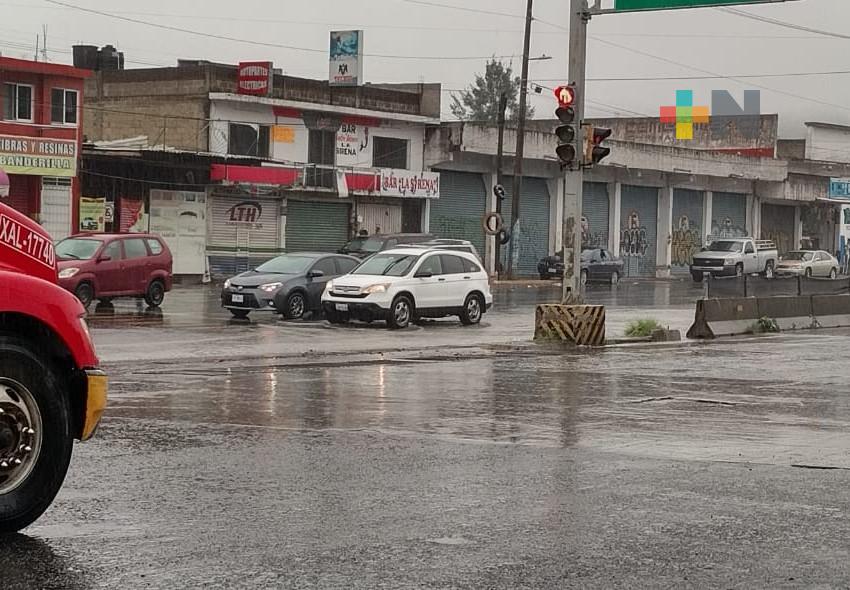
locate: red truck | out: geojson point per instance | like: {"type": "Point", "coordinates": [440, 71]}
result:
{"type": "Point", "coordinates": [51, 388]}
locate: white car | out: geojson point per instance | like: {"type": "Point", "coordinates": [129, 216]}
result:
{"type": "Point", "coordinates": [405, 284]}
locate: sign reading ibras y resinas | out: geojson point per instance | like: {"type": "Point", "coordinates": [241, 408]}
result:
{"type": "Point", "coordinates": [629, 5]}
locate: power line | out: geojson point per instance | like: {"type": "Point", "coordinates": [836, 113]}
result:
{"type": "Point", "coordinates": [781, 23]}
{"type": "Point", "coordinates": [267, 44]}
{"type": "Point", "coordinates": [712, 77]}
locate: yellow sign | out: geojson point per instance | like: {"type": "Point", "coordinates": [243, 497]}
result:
{"type": "Point", "coordinates": [283, 134]}
{"type": "Point", "coordinates": [39, 156]}
{"type": "Point", "coordinates": [92, 214]}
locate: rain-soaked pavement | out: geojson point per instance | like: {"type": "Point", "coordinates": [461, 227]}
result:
{"type": "Point", "coordinates": [296, 455]}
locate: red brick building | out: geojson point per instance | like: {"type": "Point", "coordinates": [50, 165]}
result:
{"type": "Point", "coordinates": [41, 122]}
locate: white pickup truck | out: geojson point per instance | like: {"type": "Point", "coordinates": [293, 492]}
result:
{"type": "Point", "coordinates": [735, 257]}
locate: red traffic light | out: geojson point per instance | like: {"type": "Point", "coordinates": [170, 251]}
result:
{"type": "Point", "coordinates": [600, 134]}
{"type": "Point", "coordinates": [566, 95]}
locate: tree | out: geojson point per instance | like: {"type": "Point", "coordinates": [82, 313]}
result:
{"type": "Point", "coordinates": [480, 101]}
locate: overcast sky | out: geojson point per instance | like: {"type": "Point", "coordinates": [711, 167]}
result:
{"type": "Point", "coordinates": [697, 42]}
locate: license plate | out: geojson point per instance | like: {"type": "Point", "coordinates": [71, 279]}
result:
{"type": "Point", "coordinates": [237, 298]}
{"type": "Point", "coordinates": [342, 307]}
{"type": "Point", "coordinates": [553, 270]}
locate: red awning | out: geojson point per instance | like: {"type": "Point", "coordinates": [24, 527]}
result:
{"type": "Point", "coordinates": [268, 175]}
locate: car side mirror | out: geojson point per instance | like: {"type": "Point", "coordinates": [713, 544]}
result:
{"type": "Point", "coordinates": [104, 258]}
{"type": "Point", "coordinates": [316, 274]}
{"type": "Point", "coordinates": [424, 274]}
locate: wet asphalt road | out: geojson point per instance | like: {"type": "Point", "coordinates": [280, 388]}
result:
{"type": "Point", "coordinates": [234, 455]}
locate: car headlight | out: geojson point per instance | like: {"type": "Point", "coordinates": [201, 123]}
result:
{"type": "Point", "coordinates": [382, 288]}
{"type": "Point", "coordinates": [271, 287]}
{"type": "Point", "coordinates": [729, 261]}
{"type": "Point", "coordinates": [329, 287]}
{"type": "Point", "coordinates": [84, 325]}
{"type": "Point", "coordinates": [227, 284]}
{"type": "Point", "coordinates": [67, 273]}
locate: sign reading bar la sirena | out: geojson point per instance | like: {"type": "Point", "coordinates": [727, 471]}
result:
{"type": "Point", "coordinates": [402, 183]}
{"type": "Point", "coordinates": [38, 156]}
{"type": "Point", "coordinates": [255, 78]}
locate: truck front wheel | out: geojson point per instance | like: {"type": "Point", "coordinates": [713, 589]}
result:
{"type": "Point", "coordinates": [35, 434]}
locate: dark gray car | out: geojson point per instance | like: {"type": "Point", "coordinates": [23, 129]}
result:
{"type": "Point", "coordinates": [291, 285]}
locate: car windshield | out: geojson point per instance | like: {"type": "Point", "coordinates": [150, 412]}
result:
{"type": "Point", "coordinates": [799, 256]}
{"type": "Point", "coordinates": [372, 245]}
{"type": "Point", "coordinates": [285, 265]}
{"type": "Point", "coordinates": [77, 248]}
{"type": "Point", "coordinates": [387, 265]}
{"type": "Point", "coordinates": [726, 246]}
{"type": "Point", "coordinates": [587, 254]}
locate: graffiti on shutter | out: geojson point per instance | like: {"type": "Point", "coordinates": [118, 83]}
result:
{"type": "Point", "coordinates": [777, 224]}
{"type": "Point", "coordinates": [639, 222]}
{"type": "Point", "coordinates": [686, 234]}
{"type": "Point", "coordinates": [594, 219]}
{"type": "Point", "coordinates": [729, 216]}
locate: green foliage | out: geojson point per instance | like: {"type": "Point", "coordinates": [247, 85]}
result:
{"type": "Point", "coordinates": [641, 328]}
{"type": "Point", "coordinates": [765, 325]}
{"type": "Point", "coordinates": [480, 101]}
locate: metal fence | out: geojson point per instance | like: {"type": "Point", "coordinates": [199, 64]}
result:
{"type": "Point", "coordinates": [756, 286]}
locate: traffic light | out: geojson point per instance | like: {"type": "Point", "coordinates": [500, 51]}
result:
{"type": "Point", "coordinates": [594, 151]}
{"type": "Point", "coordinates": [568, 129]}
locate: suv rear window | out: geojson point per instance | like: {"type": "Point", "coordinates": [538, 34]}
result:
{"type": "Point", "coordinates": [155, 246]}
{"type": "Point", "coordinates": [469, 266]}
{"type": "Point", "coordinates": [452, 265]}
{"type": "Point", "coordinates": [135, 248]}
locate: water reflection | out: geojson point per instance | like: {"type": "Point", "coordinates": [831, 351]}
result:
{"type": "Point", "coordinates": [27, 562]}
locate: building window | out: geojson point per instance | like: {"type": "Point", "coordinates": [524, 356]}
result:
{"type": "Point", "coordinates": [17, 102]}
{"type": "Point", "coordinates": [389, 152]}
{"type": "Point", "coordinates": [63, 106]}
{"type": "Point", "coordinates": [249, 140]}
{"type": "Point", "coordinates": [322, 152]}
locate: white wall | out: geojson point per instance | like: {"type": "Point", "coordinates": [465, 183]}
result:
{"type": "Point", "coordinates": [290, 137]}
{"type": "Point", "coordinates": [828, 144]}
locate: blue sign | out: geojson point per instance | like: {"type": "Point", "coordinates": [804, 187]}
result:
{"type": "Point", "coordinates": [839, 188]}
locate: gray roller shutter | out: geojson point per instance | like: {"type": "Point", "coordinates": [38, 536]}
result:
{"type": "Point", "coordinates": [687, 231]}
{"type": "Point", "coordinates": [777, 224]}
{"type": "Point", "coordinates": [728, 215]}
{"type": "Point", "coordinates": [595, 209]}
{"type": "Point", "coordinates": [241, 232]}
{"type": "Point", "coordinates": [533, 242]}
{"type": "Point", "coordinates": [316, 226]}
{"type": "Point", "coordinates": [639, 230]}
{"type": "Point", "coordinates": [457, 213]}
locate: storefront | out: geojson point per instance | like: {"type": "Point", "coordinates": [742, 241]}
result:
{"type": "Point", "coordinates": [728, 215]}
{"type": "Point", "coordinates": [180, 218]}
{"type": "Point", "coordinates": [317, 225]}
{"type": "Point", "coordinates": [639, 230]}
{"type": "Point", "coordinates": [243, 231]}
{"type": "Point", "coordinates": [533, 241]}
{"type": "Point", "coordinates": [462, 204]}
{"type": "Point", "coordinates": [595, 210]}
{"type": "Point", "coordinates": [778, 225]}
{"type": "Point", "coordinates": [686, 236]}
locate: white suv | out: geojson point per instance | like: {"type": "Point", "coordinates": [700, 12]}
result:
{"type": "Point", "coordinates": [405, 284]}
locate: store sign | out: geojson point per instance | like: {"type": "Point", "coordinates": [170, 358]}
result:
{"type": "Point", "coordinates": [402, 183]}
{"type": "Point", "coordinates": [352, 145]}
{"type": "Point", "coordinates": [255, 78]}
{"type": "Point", "coordinates": [92, 214]}
{"type": "Point", "coordinates": [248, 212]}
{"type": "Point", "coordinates": [346, 58]}
{"type": "Point", "coordinates": [839, 189]}
{"type": "Point", "coordinates": [39, 156]}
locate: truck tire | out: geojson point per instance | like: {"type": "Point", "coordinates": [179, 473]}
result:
{"type": "Point", "coordinates": [697, 277]}
{"type": "Point", "coordinates": [739, 269]}
{"type": "Point", "coordinates": [36, 416]}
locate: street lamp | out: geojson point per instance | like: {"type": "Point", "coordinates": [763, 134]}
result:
{"type": "Point", "coordinates": [4, 184]}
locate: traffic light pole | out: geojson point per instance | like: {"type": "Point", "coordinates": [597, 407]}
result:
{"type": "Point", "coordinates": [574, 179]}
{"type": "Point", "coordinates": [500, 153]}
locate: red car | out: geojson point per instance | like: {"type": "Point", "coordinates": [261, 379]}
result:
{"type": "Point", "coordinates": [105, 266]}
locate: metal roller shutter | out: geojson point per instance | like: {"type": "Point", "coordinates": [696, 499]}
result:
{"type": "Point", "coordinates": [21, 193]}
{"type": "Point", "coordinates": [777, 224]}
{"type": "Point", "coordinates": [316, 226]}
{"type": "Point", "coordinates": [375, 215]}
{"type": "Point", "coordinates": [595, 211]}
{"type": "Point", "coordinates": [639, 230]}
{"type": "Point", "coordinates": [729, 215]}
{"type": "Point", "coordinates": [242, 232]}
{"type": "Point", "coordinates": [56, 206]}
{"type": "Point", "coordinates": [457, 213]}
{"type": "Point", "coordinates": [687, 230]}
{"type": "Point", "coordinates": [533, 243]}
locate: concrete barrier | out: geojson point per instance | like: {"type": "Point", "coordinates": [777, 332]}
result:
{"type": "Point", "coordinates": [736, 316]}
{"type": "Point", "coordinates": [583, 325]}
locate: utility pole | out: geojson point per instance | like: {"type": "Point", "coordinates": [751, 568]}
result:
{"type": "Point", "coordinates": [500, 153]}
{"type": "Point", "coordinates": [513, 252]}
{"type": "Point", "coordinates": [574, 179]}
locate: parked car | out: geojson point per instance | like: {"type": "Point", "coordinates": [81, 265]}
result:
{"type": "Point", "coordinates": [291, 284]}
{"type": "Point", "coordinates": [447, 244]}
{"type": "Point", "coordinates": [355, 244]}
{"type": "Point", "coordinates": [597, 264]}
{"type": "Point", "coordinates": [735, 257]}
{"type": "Point", "coordinates": [810, 263]}
{"type": "Point", "coordinates": [405, 284]}
{"type": "Point", "coordinates": [106, 266]}
{"type": "Point", "coordinates": [381, 242]}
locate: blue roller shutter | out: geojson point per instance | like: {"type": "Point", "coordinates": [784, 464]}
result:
{"type": "Point", "coordinates": [533, 243]}
{"type": "Point", "coordinates": [459, 210]}
{"type": "Point", "coordinates": [639, 230]}
{"type": "Point", "coordinates": [687, 231]}
{"type": "Point", "coordinates": [595, 208]}
{"type": "Point", "coordinates": [728, 215]}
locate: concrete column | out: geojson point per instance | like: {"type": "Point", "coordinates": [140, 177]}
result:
{"type": "Point", "coordinates": [615, 197]}
{"type": "Point", "coordinates": [556, 213]}
{"type": "Point", "coordinates": [798, 227]}
{"type": "Point", "coordinates": [283, 215]}
{"type": "Point", "coordinates": [426, 216]}
{"type": "Point", "coordinates": [490, 181]}
{"type": "Point", "coordinates": [664, 251]}
{"type": "Point", "coordinates": [707, 216]}
{"type": "Point", "coordinates": [753, 222]}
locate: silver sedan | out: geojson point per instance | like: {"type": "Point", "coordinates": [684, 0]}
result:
{"type": "Point", "coordinates": [809, 263]}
